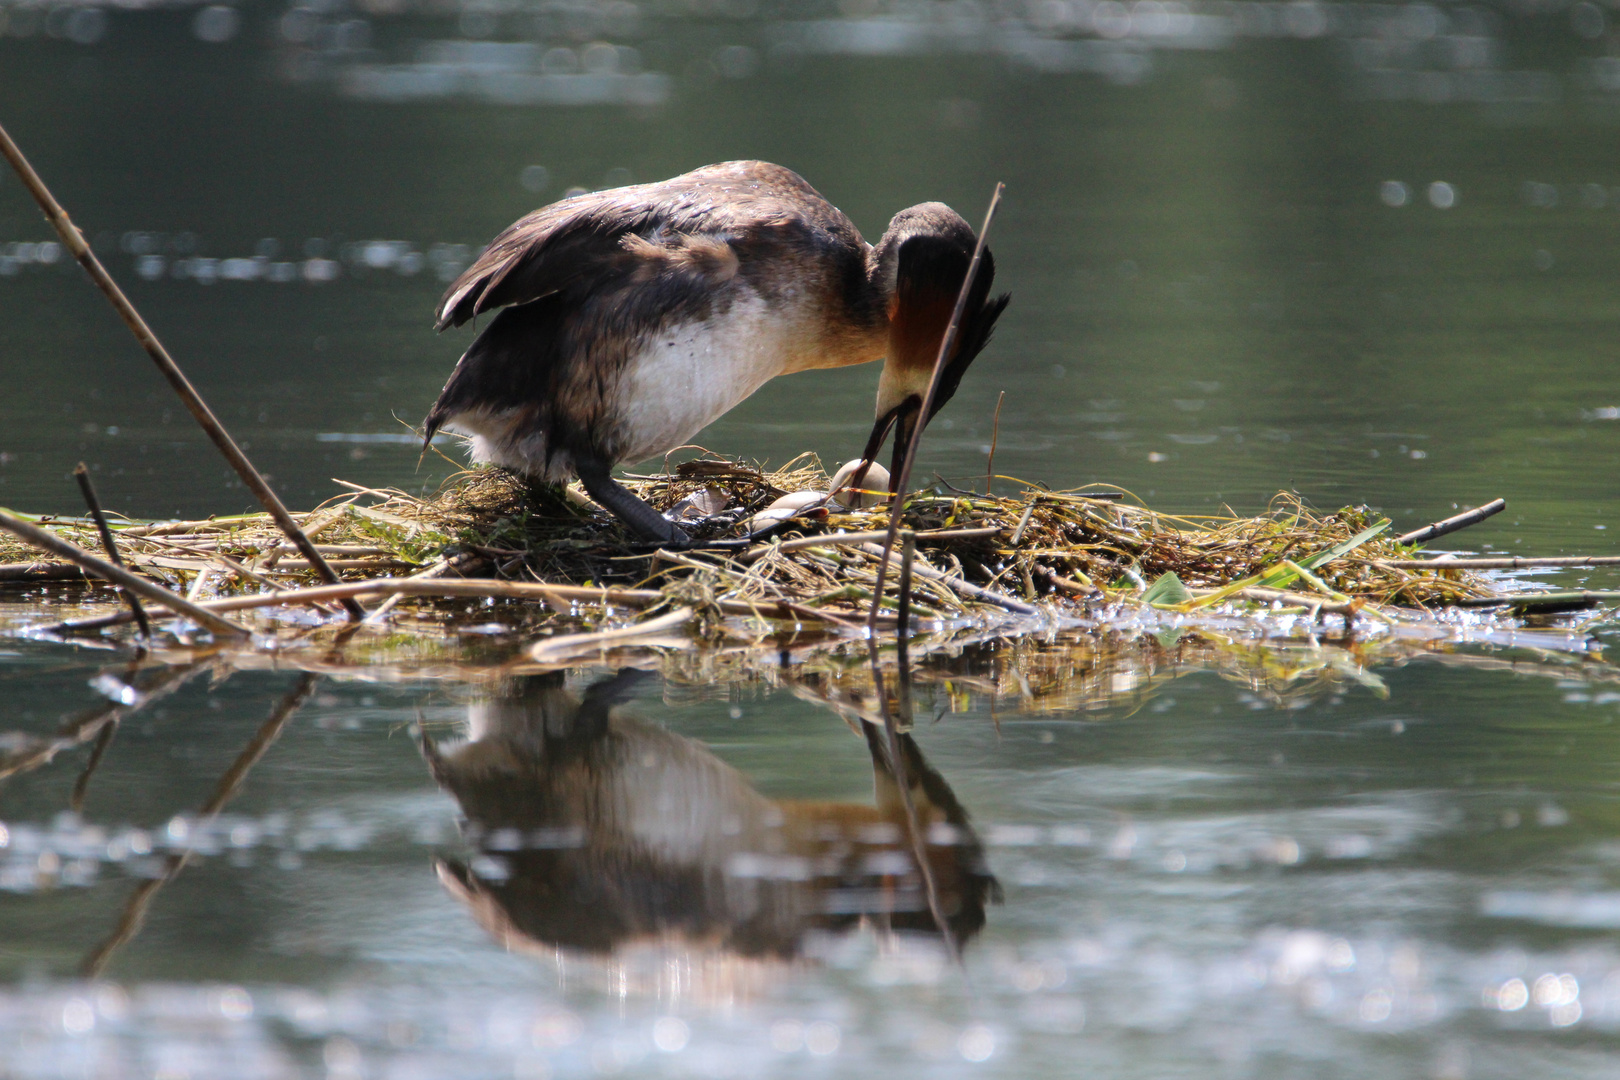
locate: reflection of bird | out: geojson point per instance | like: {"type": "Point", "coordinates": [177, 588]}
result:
{"type": "Point", "coordinates": [634, 317]}
{"type": "Point", "coordinates": [598, 831]}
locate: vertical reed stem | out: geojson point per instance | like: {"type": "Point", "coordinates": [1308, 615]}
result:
{"type": "Point", "coordinates": [82, 475]}
{"type": "Point", "coordinates": [995, 433]}
{"type": "Point", "coordinates": [900, 482]}
{"type": "Point", "coordinates": [908, 555]}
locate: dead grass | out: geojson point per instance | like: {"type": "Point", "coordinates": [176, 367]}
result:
{"type": "Point", "coordinates": [1058, 546]}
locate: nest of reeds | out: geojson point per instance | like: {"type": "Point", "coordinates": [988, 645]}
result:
{"type": "Point", "coordinates": [974, 551]}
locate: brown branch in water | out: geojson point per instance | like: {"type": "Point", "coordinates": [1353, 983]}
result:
{"type": "Point", "coordinates": [908, 559]}
{"type": "Point", "coordinates": [41, 571]}
{"type": "Point", "coordinates": [135, 908]}
{"type": "Point", "coordinates": [82, 475]}
{"type": "Point", "coordinates": [1573, 599]}
{"type": "Point", "coordinates": [897, 504]}
{"type": "Point", "coordinates": [49, 541]}
{"type": "Point", "coordinates": [476, 589]}
{"type": "Point", "coordinates": [1505, 562]}
{"type": "Point", "coordinates": [71, 237]}
{"type": "Point", "coordinates": [81, 786]}
{"type": "Point", "coordinates": [1452, 524]}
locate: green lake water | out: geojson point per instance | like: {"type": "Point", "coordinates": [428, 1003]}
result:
{"type": "Point", "coordinates": [1363, 253]}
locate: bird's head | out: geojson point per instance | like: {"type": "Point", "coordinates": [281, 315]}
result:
{"type": "Point", "coordinates": [920, 264]}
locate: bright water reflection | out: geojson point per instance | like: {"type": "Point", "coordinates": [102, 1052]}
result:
{"type": "Point", "coordinates": [1328, 860]}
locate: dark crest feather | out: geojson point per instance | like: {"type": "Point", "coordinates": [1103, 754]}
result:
{"type": "Point", "coordinates": [978, 323]}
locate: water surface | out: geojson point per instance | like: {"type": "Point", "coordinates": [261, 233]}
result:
{"type": "Point", "coordinates": [1362, 252]}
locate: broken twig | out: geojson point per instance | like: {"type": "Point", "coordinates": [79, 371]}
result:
{"type": "Point", "coordinates": [82, 475]}
{"type": "Point", "coordinates": [1452, 524]}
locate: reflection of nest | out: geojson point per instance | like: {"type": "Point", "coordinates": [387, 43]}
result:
{"type": "Point", "coordinates": [1093, 673]}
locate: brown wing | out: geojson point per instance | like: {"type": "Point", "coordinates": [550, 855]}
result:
{"type": "Point", "coordinates": [583, 239]}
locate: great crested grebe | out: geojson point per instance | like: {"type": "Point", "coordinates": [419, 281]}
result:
{"type": "Point", "coordinates": [634, 317]}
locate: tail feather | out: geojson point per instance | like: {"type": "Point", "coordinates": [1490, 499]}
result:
{"type": "Point", "coordinates": [512, 364]}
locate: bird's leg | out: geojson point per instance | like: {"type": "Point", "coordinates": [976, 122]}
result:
{"type": "Point", "coordinates": [597, 476]}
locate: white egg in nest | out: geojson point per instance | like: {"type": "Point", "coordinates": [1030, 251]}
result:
{"type": "Point", "coordinates": [795, 504]}
{"type": "Point", "coordinates": [873, 491]}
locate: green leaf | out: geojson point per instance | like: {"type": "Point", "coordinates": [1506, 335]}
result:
{"type": "Point", "coordinates": [1281, 576]}
{"type": "Point", "coordinates": [1168, 589]}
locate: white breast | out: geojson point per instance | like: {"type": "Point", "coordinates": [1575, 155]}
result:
{"type": "Point", "coordinates": [688, 376]}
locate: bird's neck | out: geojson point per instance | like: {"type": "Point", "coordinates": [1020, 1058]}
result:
{"type": "Point", "coordinates": [917, 322]}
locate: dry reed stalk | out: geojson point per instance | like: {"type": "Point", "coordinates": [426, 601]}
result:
{"type": "Point", "coordinates": [504, 590]}
{"type": "Point", "coordinates": [995, 435]}
{"type": "Point", "coordinates": [552, 649]}
{"type": "Point", "coordinates": [250, 476]}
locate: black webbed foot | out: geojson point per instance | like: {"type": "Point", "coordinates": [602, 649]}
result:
{"type": "Point", "coordinates": [597, 477]}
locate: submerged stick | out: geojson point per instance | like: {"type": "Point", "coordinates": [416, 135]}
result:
{"type": "Point", "coordinates": [135, 908]}
{"type": "Point", "coordinates": [553, 648]}
{"type": "Point", "coordinates": [1506, 562]}
{"type": "Point", "coordinates": [41, 571]}
{"type": "Point", "coordinates": [81, 786]}
{"type": "Point", "coordinates": [908, 557]}
{"type": "Point", "coordinates": [160, 356]}
{"type": "Point", "coordinates": [1578, 598]}
{"type": "Point", "coordinates": [1452, 524]}
{"type": "Point", "coordinates": [925, 411]}
{"type": "Point", "coordinates": [82, 475]}
{"type": "Point", "coordinates": [465, 588]}
{"type": "Point", "coordinates": [49, 541]}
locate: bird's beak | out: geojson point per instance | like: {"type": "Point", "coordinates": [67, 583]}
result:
{"type": "Point", "coordinates": [903, 420]}
{"type": "Point", "coordinates": [905, 425]}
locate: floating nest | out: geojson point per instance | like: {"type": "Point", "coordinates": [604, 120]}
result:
{"type": "Point", "coordinates": [975, 553]}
